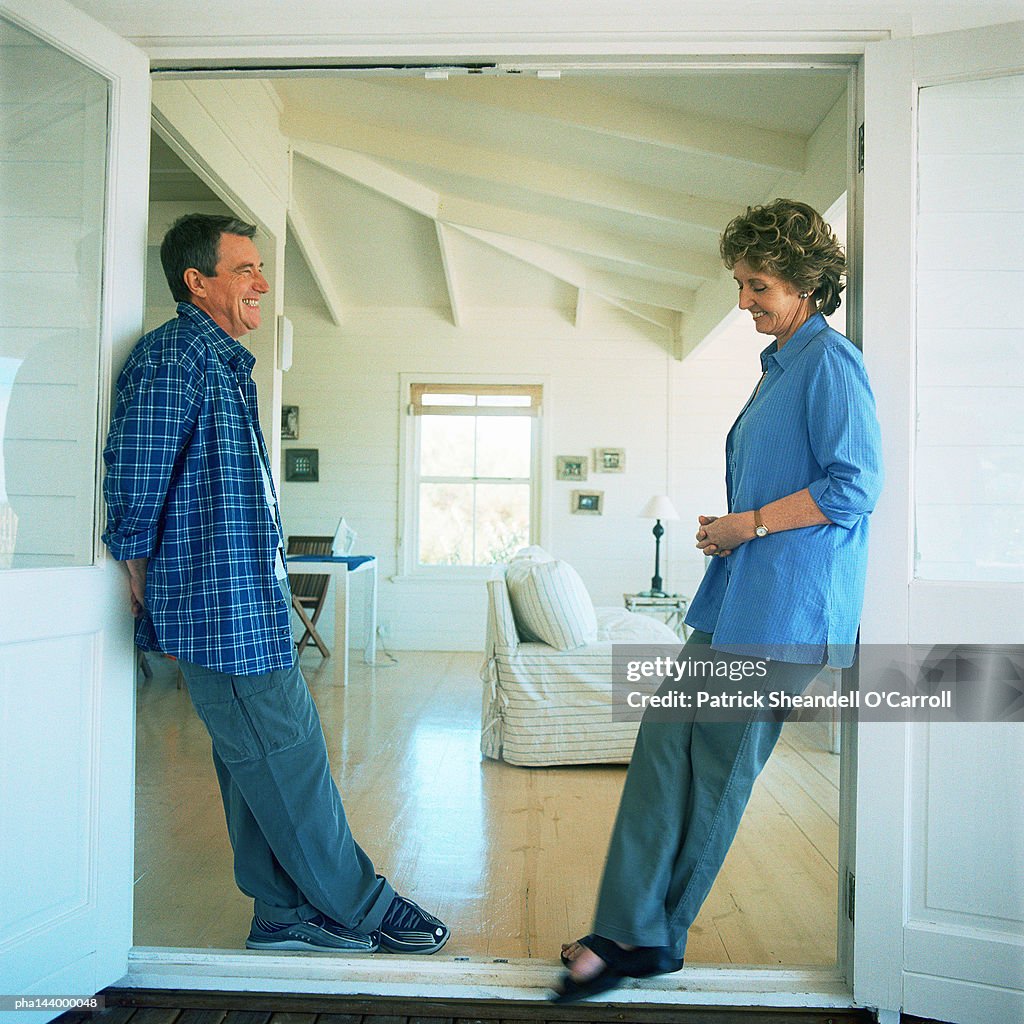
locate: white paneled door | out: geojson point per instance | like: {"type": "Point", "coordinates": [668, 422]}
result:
{"type": "Point", "coordinates": [74, 154]}
{"type": "Point", "coordinates": [939, 925]}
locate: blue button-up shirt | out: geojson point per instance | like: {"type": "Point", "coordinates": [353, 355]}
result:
{"type": "Point", "coordinates": [184, 489]}
{"type": "Point", "coordinates": [796, 595]}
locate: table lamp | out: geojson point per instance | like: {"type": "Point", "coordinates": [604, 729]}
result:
{"type": "Point", "coordinates": [658, 508]}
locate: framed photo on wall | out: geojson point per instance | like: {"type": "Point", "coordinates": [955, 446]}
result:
{"type": "Point", "coordinates": [302, 465]}
{"type": "Point", "coordinates": [289, 423]}
{"type": "Point", "coordinates": [571, 467]}
{"type": "Point", "coordinates": [587, 503]}
{"type": "Point", "coordinates": [610, 460]}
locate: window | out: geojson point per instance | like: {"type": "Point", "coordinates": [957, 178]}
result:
{"type": "Point", "coordinates": [473, 453]}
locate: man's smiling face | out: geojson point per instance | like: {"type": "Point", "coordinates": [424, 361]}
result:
{"type": "Point", "coordinates": [232, 295]}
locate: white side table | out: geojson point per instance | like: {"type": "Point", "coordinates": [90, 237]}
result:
{"type": "Point", "coordinates": [671, 609]}
{"type": "Point", "coordinates": [340, 568]}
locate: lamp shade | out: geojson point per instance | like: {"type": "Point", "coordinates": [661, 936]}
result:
{"type": "Point", "coordinates": [659, 507]}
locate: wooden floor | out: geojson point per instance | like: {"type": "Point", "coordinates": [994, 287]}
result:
{"type": "Point", "coordinates": [156, 1007]}
{"type": "Point", "coordinates": [509, 857]}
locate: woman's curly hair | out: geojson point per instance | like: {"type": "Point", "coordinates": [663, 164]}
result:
{"type": "Point", "coordinates": [789, 240]}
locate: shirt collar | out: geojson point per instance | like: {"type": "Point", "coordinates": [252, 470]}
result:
{"type": "Point", "coordinates": [805, 333]}
{"type": "Point", "coordinates": [229, 351]}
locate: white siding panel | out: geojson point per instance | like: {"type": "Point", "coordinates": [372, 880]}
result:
{"type": "Point", "coordinates": [979, 358]}
{"type": "Point", "coordinates": [970, 375]}
{"type": "Point", "coordinates": [956, 239]}
{"type": "Point", "coordinates": [990, 474]}
{"type": "Point", "coordinates": [972, 182]}
{"type": "Point", "coordinates": [970, 416]}
{"type": "Point", "coordinates": [972, 300]}
{"type": "Point", "coordinates": [981, 125]}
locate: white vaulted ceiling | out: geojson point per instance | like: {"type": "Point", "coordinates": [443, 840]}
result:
{"type": "Point", "coordinates": [483, 191]}
{"type": "Point", "coordinates": [487, 191]}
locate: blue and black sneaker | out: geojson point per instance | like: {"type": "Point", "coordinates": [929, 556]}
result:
{"type": "Point", "coordinates": [408, 928]}
{"type": "Point", "coordinates": [318, 935]}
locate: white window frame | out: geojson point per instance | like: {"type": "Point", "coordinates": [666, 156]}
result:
{"type": "Point", "coordinates": [408, 491]}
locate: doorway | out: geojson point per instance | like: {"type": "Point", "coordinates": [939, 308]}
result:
{"type": "Point", "coordinates": [655, 330]}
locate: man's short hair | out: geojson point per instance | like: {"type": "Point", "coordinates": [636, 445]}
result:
{"type": "Point", "coordinates": [193, 241]}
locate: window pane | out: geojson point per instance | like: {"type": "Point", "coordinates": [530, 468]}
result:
{"type": "Point", "coordinates": [53, 132]}
{"type": "Point", "coordinates": [446, 445]}
{"type": "Point", "coordinates": [448, 400]}
{"type": "Point", "coordinates": [446, 524]}
{"type": "Point", "coordinates": [522, 401]}
{"type": "Point", "coordinates": [502, 521]}
{"type": "Point", "coordinates": [503, 446]}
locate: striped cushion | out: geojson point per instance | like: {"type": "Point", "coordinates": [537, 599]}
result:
{"type": "Point", "coordinates": [550, 603]}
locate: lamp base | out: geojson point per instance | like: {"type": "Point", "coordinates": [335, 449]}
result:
{"type": "Point", "coordinates": [652, 593]}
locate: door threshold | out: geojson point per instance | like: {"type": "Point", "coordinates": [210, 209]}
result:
{"type": "Point", "coordinates": [435, 977]}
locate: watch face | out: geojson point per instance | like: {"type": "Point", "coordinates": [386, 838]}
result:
{"type": "Point", "coordinates": [761, 531]}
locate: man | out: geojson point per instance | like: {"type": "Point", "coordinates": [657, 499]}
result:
{"type": "Point", "coordinates": [193, 513]}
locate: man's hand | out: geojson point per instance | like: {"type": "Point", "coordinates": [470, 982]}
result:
{"type": "Point", "coordinates": [137, 584]}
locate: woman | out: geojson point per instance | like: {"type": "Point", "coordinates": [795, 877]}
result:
{"type": "Point", "coordinates": [783, 592]}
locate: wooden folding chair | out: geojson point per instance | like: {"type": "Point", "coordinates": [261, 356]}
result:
{"type": "Point", "coordinates": [309, 591]}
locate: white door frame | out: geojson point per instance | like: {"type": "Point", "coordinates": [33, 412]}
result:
{"type": "Point", "coordinates": [80, 943]}
{"type": "Point", "coordinates": [486, 978]}
{"type": "Point", "coordinates": [888, 929]}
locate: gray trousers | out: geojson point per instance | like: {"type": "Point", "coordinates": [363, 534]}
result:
{"type": "Point", "coordinates": [686, 789]}
{"type": "Point", "coordinates": [294, 852]}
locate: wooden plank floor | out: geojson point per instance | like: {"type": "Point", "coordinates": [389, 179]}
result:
{"type": "Point", "coordinates": [156, 1007]}
{"type": "Point", "coordinates": [509, 857]}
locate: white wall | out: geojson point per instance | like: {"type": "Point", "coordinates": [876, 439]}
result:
{"type": "Point", "coordinates": [606, 386]}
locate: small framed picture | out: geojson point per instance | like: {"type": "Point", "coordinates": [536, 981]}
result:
{"type": "Point", "coordinates": [571, 467]}
{"type": "Point", "coordinates": [302, 465]}
{"type": "Point", "coordinates": [587, 503]}
{"type": "Point", "coordinates": [610, 460]}
{"type": "Point", "coordinates": [289, 423]}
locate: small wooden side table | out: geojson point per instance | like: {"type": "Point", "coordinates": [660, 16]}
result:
{"type": "Point", "coordinates": [671, 609]}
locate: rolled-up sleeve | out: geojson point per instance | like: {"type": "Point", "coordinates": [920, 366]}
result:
{"type": "Point", "coordinates": [157, 410]}
{"type": "Point", "coordinates": [844, 436]}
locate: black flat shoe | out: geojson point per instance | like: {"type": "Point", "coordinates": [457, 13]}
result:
{"type": "Point", "coordinates": [585, 941]}
{"type": "Point", "coordinates": [619, 963]}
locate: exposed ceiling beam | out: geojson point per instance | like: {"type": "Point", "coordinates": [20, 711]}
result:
{"type": "Point", "coordinates": [678, 328]}
{"type": "Point", "coordinates": [557, 264]}
{"type": "Point", "coordinates": [312, 254]}
{"type": "Point", "coordinates": [603, 284]}
{"type": "Point", "coordinates": [663, 318]}
{"type": "Point", "coordinates": [574, 105]}
{"type": "Point", "coordinates": [576, 237]}
{"type": "Point", "coordinates": [448, 262]}
{"type": "Point", "coordinates": [638, 289]}
{"type": "Point", "coordinates": [371, 174]}
{"type": "Point", "coordinates": [582, 306]}
{"type": "Point", "coordinates": [506, 168]}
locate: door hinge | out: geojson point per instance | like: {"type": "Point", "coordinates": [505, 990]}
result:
{"type": "Point", "coordinates": [851, 894]}
{"type": "Point", "coordinates": [860, 149]}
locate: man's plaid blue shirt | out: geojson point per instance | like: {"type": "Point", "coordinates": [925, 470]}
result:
{"type": "Point", "coordinates": [184, 489]}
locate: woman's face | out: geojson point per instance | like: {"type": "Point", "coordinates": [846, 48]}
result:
{"type": "Point", "coordinates": [773, 302]}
